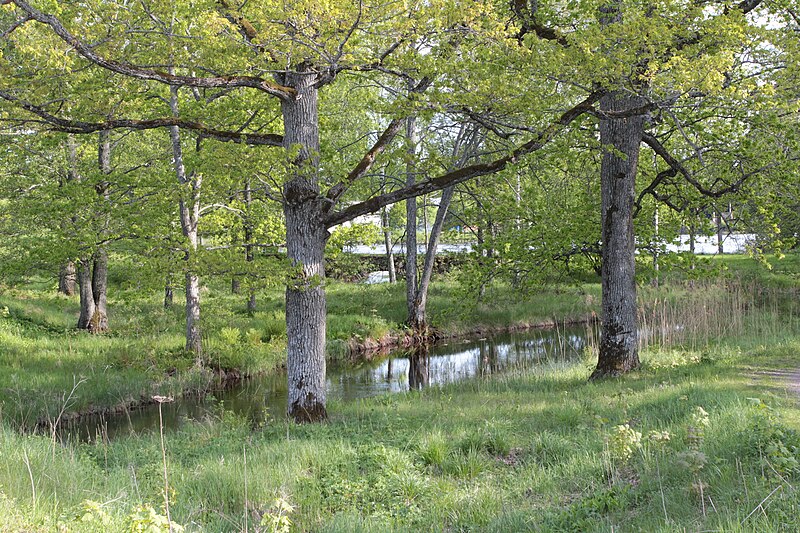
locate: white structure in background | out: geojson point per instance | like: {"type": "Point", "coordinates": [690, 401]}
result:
{"type": "Point", "coordinates": [735, 243]}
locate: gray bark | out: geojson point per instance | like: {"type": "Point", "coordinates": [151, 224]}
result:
{"type": "Point", "coordinates": [189, 209]}
{"type": "Point", "coordinates": [411, 218]}
{"type": "Point", "coordinates": [67, 279]}
{"type": "Point", "coordinates": [87, 298]}
{"type": "Point", "coordinates": [306, 235]}
{"type": "Point", "coordinates": [419, 317]}
{"type": "Point", "coordinates": [248, 239]}
{"type": "Point", "coordinates": [169, 294]}
{"type": "Point", "coordinates": [93, 272]}
{"type": "Point", "coordinates": [99, 322]}
{"type": "Point", "coordinates": [387, 243]}
{"type": "Point", "coordinates": [618, 342]}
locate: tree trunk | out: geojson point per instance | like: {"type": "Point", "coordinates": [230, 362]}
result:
{"type": "Point", "coordinates": [168, 294]}
{"type": "Point", "coordinates": [411, 219]}
{"type": "Point", "coordinates": [86, 297]}
{"type": "Point", "coordinates": [248, 247]}
{"type": "Point", "coordinates": [419, 317]}
{"type": "Point", "coordinates": [236, 285]}
{"type": "Point", "coordinates": [305, 246]}
{"type": "Point", "coordinates": [622, 135]}
{"type": "Point", "coordinates": [67, 279]}
{"type": "Point", "coordinates": [99, 321]}
{"type": "Point", "coordinates": [193, 332]}
{"type": "Point", "coordinates": [189, 209]}
{"type": "Point", "coordinates": [387, 243]}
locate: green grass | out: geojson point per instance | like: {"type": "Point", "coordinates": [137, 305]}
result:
{"type": "Point", "coordinates": [43, 357]}
{"type": "Point", "coordinates": [540, 451]}
{"type": "Point", "coordinates": [525, 453]}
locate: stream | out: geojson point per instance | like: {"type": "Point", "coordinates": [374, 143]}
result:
{"type": "Point", "coordinates": [263, 397]}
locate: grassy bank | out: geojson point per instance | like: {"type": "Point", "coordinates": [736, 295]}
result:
{"type": "Point", "coordinates": [43, 359]}
{"type": "Point", "coordinates": [695, 440]}
{"type": "Point", "coordinates": [702, 438]}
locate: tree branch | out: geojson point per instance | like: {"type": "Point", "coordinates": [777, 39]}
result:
{"type": "Point", "coordinates": [464, 174]}
{"type": "Point", "coordinates": [77, 126]}
{"type": "Point", "coordinates": [133, 71]}
{"type": "Point", "coordinates": [371, 156]}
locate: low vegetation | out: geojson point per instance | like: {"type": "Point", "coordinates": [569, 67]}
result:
{"type": "Point", "coordinates": [703, 437]}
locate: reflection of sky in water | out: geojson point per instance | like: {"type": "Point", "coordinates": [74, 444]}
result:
{"type": "Point", "coordinates": [264, 397]}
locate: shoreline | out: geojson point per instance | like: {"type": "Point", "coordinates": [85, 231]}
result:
{"type": "Point", "coordinates": [367, 349]}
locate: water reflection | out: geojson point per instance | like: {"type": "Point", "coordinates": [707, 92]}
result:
{"type": "Point", "coordinates": [265, 397]}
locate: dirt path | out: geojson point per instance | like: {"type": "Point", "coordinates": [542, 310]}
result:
{"type": "Point", "coordinates": [789, 379]}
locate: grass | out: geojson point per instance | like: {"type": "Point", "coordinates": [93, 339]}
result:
{"type": "Point", "coordinates": [695, 440]}
{"type": "Point", "coordinates": [536, 452]}
{"type": "Point", "coordinates": [42, 356]}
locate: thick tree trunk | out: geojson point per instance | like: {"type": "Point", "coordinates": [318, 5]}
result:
{"type": "Point", "coordinates": [67, 279]}
{"type": "Point", "coordinates": [99, 321]}
{"type": "Point", "coordinates": [86, 297]}
{"type": "Point", "coordinates": [619, 338]}
{"type": "Point", "coordinates": [305, 246]}
{"type": "Point", "coordinates": [236, 285]}
{"type": "Point", "coordinates": [411, 219]}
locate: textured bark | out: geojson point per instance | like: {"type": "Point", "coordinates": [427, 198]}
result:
{"type": "Point", "coordinates": [236, 285]}
{"type": "Point", "coordinates": [68, 279]}
{"type": "Point", "coordinates": [622, 137]}
{"type": "Point", "coordinates": [418, 318]}
{"type": "Point", "coordinates": [99, 320]}
{"type": "Point", "coordinates": [305, 245]}
{"type": "Point", "coordinates": [193, 332]}
{"type": "Point", "coordinates": [248, 239]}
{"type": "Point", "coordinates": [86, 296]}
{"type": "Point", "coordinates": [411, 219]}
{"type": "Point", "coordinates": [189, 210]}
{"type": "Point", "coordinates": [387, 243]}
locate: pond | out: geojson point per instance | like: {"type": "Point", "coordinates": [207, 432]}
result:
{"type": "Point", "coordinates": [264, 397]}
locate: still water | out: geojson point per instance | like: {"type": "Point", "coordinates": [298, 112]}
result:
{"type": "Point", "coordinates": [262, 398]}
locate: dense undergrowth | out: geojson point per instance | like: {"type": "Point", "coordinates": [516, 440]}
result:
{"type": "Point", "coordinates": [702, 438]}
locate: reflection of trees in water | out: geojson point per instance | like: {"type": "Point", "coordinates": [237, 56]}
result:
{"type": "Point", "coordinates": [419, 368]}
{"type": "Point", "coordinates": [487, 362]}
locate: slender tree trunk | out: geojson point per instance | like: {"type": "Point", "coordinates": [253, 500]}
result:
{"type": "Point", "coordinates": [619, 338]}
{"type": "Point", "coordinates": [248, 247]}
{"type": "Point", "coordinates": [718, 220]}
{"type": "Point", "coordinates": [169, 293]}
{"type": "Point", "coordinates": [419, 319]}
{"type": "Point", "coordinates": [67, 279]}
{"type": "Point", "coordinates": [193, 332]}
{"type": "Point", "coordinates": [93, 272]}
{"type": "Point", "coordinates": [189, 209]}
{"type": "Point", "coordinates": [411, 218]}
{"type": "Point", "coordinates": [305, 246]}
{"type": "Point", "coordinates": [387, 243]}
{"type": "Point", "coordinates": [236, 285]}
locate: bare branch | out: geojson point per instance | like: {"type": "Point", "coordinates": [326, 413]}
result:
{"type": "Point", "coordinates": [77, 126]}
